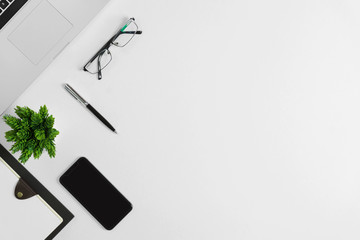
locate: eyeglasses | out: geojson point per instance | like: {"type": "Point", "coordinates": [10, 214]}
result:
{"type": "Point", "coordinates": [103, 57]}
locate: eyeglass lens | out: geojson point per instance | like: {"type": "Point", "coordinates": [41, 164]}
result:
{"type": "Point", "coordinates": [102, 60]}
{"type": "Point", "coordinates": [127, 33]}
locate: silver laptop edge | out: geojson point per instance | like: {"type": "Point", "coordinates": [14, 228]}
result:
{"type": "Point", "coordinates": [28, 44]}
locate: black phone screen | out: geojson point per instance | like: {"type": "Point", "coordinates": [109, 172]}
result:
{"type": "Point", "coordinates": [96, 193]}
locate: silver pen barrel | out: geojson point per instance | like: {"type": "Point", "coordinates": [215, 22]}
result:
{"type": "Point", "coordinates": [76, 95]}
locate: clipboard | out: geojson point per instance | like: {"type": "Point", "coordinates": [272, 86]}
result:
{"type": "Point", "coordinates": [27, 189]}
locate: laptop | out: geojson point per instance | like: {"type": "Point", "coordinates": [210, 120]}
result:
{"type": "Point", "coordinates": [32, 34]}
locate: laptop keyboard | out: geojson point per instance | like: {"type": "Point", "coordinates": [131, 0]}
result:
{"type": "Point", "coordinates": [4, 5]}
{"type": "Point", "coordinates": [8, 8]}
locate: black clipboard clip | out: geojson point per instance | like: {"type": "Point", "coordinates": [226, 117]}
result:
{"type": "Point", "coordinates": [23, 190]}
{"type": "Point", "coordinates": [28, 186]}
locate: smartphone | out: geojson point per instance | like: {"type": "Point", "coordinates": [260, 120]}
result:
{"type": "Point", "coordinates": [104, 202]}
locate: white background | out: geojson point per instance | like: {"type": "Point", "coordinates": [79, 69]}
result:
{"type": "Point", "coordinates": [235, 120]}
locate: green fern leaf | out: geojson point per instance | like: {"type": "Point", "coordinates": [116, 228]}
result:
{"type": "Point", "coordinates": [50, 148]}
{"type": "Point", "coordinates": [53, 133]}
{"type": "Point", "coordinates": [23, 112]}
{"type": "Point", "coordinates": [50, 122]}
{"type": "Point", "coordinates": [13, 122]}
{"type": "Point", "coordinates": [11, 136]}
{"type": "Point", "coordinates": [43, 112]}
{"type": "Point", "coordinates": [40, 134]}
{"type": "Point", "coordinates": [36, 120]}
{"type": "Point", "coordinates": [38, 151]}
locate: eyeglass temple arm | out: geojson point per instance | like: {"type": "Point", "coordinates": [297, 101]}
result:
{"type": "Point", "coordinates": [125, 32]}
{"type": "Point", "coordinates": [132, 32]}
{"type": "Point", "coordinates": [99, 65]}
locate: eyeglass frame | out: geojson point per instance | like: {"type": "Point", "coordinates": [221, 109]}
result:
{"type": "Point", "coordinates": [108, 44]}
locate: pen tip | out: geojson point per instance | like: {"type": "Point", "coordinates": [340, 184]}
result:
{"type": "Point", "coordinates": [115, 131]}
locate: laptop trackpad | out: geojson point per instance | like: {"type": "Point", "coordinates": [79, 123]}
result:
{"type": "Point", "coordinates": [39, 32]}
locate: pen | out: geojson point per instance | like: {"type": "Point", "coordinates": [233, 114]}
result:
{"type": "Point", "coordinates": [88, 106]}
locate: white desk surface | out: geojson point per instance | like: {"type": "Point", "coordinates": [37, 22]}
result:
{"type": "Point", "coordinates": [236, 120]}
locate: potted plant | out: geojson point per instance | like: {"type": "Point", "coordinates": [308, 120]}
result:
{"type": "Point", "coordinates": [31, 133]}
